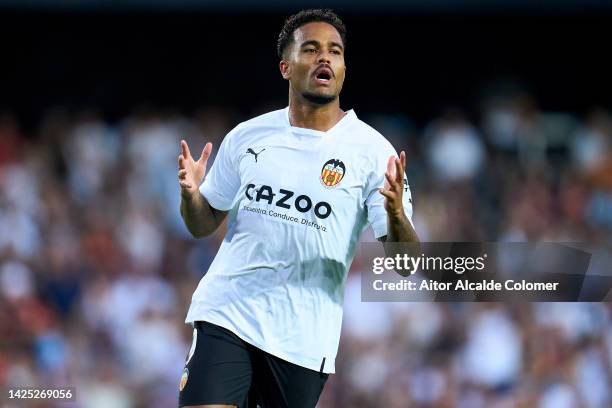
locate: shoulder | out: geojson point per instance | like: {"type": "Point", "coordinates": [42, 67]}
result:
{"type": "Point", "coordinates": [270, 119]}
{"type": "Point", "coordinates": [247, 131]}
{"type": "Point", "coordinates": [363, 133]}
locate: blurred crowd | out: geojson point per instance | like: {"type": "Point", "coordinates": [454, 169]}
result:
{"type": "Point", "coordinates": [97, 269]}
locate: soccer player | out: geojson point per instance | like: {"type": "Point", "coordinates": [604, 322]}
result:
{"type": "Point", "coordinates": [298, 186]}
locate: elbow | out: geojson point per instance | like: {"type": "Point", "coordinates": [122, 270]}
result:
{"type": "Point", "coordinates": [197, 233]}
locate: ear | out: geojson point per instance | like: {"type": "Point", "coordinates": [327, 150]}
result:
{"type": "Point", "coordinates": [285, 69]}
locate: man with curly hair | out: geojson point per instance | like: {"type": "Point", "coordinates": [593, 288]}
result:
{"type": "Point", "coordinates": [298, 186]}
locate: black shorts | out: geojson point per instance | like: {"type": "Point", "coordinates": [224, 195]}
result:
{"type": "Point", "coordinates": [224, 369]}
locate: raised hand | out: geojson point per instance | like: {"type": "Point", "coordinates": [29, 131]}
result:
{"type": "Point", "coordinates": [394, 185]}
{"type": "Point", "coordinates": [191, 172]}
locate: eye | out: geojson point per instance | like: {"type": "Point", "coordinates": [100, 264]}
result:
{"type": "Point", "coordinates": [310, 50]}
{"type": "Point", "coordinates": [337, 52]}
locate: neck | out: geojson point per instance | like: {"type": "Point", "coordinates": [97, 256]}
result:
{"type": "Point", "coordinates": [310, 116]}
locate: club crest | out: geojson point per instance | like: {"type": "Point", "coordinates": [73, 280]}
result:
{"type": "Point", "coordinates": [332, 173]}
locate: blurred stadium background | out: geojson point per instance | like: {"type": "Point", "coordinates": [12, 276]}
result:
{"type": "Point", "coordinates": [503, 108]}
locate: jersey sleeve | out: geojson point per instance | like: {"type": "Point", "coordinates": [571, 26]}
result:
{"type": "Point", "coordinates": [375, 202]}
{"type": "Point", "coordinates": [222, 181]}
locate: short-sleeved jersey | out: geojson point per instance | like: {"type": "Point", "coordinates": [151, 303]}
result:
{"type": "Point", "coordinates": [297, 200]}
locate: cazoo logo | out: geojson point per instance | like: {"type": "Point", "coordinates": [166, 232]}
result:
{"type": "Point", "coordinates": [302, 203]}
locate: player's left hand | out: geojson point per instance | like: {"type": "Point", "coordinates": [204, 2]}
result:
{"type": "Point", "coordinates": [394, 186]}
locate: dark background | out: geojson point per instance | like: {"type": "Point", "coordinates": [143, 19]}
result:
{"type": "Point", "coordinates": [416, 63]}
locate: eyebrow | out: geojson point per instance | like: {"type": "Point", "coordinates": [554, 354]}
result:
{"type": "Point", "coordinates": [316, 43]}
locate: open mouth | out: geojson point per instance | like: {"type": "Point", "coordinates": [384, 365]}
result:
{"type": "Point", "coordinates": [323, 76]}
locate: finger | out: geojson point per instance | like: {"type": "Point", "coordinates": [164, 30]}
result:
{"type": "Point", "coordinates": [206, 152]}
{"type": "Point", "coordinates": [391, 165]}
{"type": "Point", "coordinates": [387, 194]}
{"type": "Point", "coordinates": [185, 149]}
{"type": "Point", "coordinates": [182, 173]}
{"type": "Point", "coordinates": [399, 171]}
{"type": "Point", "coordinates": [181, 161]}
{"type": "Point", "coordinates": [391, 181]}
{"type": "Point", "coordinates": [403, 159]}
{"type": "Point", "coordinates": [185, 184]}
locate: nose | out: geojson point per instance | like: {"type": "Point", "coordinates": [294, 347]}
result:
{"type": "Point", "coordinates": [324, 58]}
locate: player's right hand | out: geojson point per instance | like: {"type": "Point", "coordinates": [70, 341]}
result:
{"type": "Point", "coordinates": [191, 172]}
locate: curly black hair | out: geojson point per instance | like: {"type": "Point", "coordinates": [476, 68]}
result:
{"type": "Point", "coordinates": [304, 17]}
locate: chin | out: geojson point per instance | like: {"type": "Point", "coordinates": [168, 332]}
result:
{"type": "Point", "coordinates": [319, 98]}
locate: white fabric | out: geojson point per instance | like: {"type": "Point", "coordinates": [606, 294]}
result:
{"type": "Point", "coordinates": [278, 279]}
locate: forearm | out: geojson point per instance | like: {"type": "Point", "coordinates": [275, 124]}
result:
{"type": "Point", "coordinates": [401, 239]}
{"type": "Point", "coordinates": [200, 218]}
{"type": "Point", "coordinates": [399, 229]}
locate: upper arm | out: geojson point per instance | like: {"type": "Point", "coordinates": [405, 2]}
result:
{"type": "Point", "coordinates": [218, 215]}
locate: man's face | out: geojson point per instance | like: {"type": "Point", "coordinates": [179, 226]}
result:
{"type": "Point", "coordinates": [314, 63]}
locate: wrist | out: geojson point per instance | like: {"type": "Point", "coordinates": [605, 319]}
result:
{"type": "Point", "coordinates": [396, 215]}
{"type": "Point", "coordinates": [190, 197]}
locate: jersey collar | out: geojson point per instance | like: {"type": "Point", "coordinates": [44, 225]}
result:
{"type": "Point", "coordinates": [349, 117]}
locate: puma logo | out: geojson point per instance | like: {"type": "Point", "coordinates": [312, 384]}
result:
{"type": "Point", "coordinates": [251, 151]}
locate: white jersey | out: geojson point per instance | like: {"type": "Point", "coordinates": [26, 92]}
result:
{"type": "Point", "coordinates": [298, 200]}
